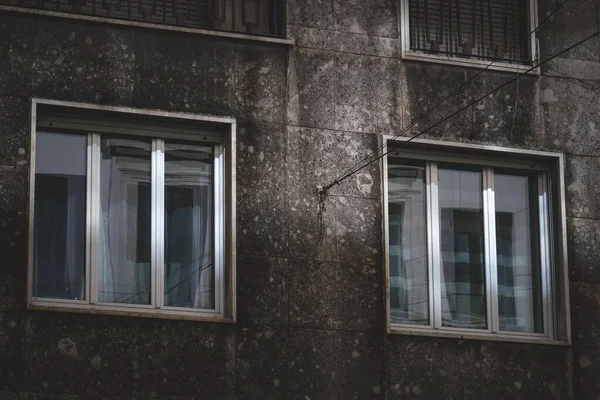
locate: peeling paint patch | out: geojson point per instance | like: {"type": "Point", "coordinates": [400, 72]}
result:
{"type": "Point", "coordinates": [68, 346]}
{"type": "Point", "coordinates": [548, 96]}
{"type": "Point", "coordinates": [364, 183]}
{"type": "Point", "coordinates": [96, 362]}
{"type": "Point", "coordinates": [584, 362]}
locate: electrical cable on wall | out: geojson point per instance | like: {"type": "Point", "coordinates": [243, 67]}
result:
{"type": "Point", "coordinates": [324, 190]}
{"type": "Point", "coordinates": [451, 95]}
{"type": "Point", "coordinates": [515, 106]}
{"type": "Point", "coordinates": [589, 85]}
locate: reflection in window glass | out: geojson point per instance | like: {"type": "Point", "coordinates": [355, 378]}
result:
{"type": "Point", "coordinates": [125, 221]}
{"type": "Point", "coordinates": [189, 268]}
{"type": "Point", "coordinates": [519, 278]}
{"type": "Point", "coordinates": [409, 294]}
{"type": "Point", "coordinates": [462, 251]}
{"type": "Point", "coordinates": [59, 216]}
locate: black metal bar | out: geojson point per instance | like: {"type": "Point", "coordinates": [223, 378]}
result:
{"type": "Point", "coordinates": [435, 43]}
{"type": "Point", "coordinates": [459, 24]}
{"type": "Point", "coordinates": [482, 26]}
{"type": "Point", "coordinates": [417, 20]}
{"type": "Point", "coordinates": [523, 32]}
{"type": "Point", "coordinates": [427, 38]}
{"type": "Point", "coordinates": [271, 10]}
{"type": "Point", "coordinates": [514, 30]}
{"type": "Point", "coordinates": [469, 51]}
{"type": "Point", "coordinates": [245, 14]}
{"type": "Point", "coordinates": [467, 45]}
{"type": "Point", "coordinates": [440, 35]}
{"type": "Point", "coordinates": [243, 7]}
{"type": "Point", "coordinates": [283, 17]}
{"type": "Point", "coordinates": [506, 24]}
{"type": "Point", "coordinates": [491, 24]}
{"type": "Point", "coordinates": [450, 31]}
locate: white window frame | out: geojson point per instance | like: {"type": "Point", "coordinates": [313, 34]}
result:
{"type": "Point", "coordinates": [553, 251]}
{"type": "Point", "coordinates": [533, 44]}
{"type": "Point", "coordinates": [224, 213]}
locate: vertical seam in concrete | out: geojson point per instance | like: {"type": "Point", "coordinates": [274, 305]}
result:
{"type": "Point", "coordinates": [32, 61]}
{"type": "Point", "coordinates": [335, 64]}
{"type": "Point", "coordinates": [539, 106]}
{"type": "Point", "coordinates": [598, 26]}
{"type": "Point", "coordinates": [288, 383]}
{"type": "Point", "coordinates": [235, 84]}
{"type": "Point", "coordinates": [285, 158]}
{"type": "Point", "coordinates": [481, 385]}
{"type": "Point", "coordinates": [571, 371]}
{"type": "Point", "coordinates": [25, 317]}
{"type": "Point", "coordinates": [335, 235]}
{"type": "Point", "coordinates": [333, 15]}
{"type": "Point", "coordinates": [386, 373]}
{"type": "Point", "coordinates": [137, 76]}
{"type": "Point", "coordinates": [287, 387]}
{"type": "Point", "coordinates": [287, 88]}
{"type": "Point", "coordinates": [24, 323]}
{"type": "Point", "coordinates": [234, 372]}
{"type": "Point", "coordinates": [338, 340]}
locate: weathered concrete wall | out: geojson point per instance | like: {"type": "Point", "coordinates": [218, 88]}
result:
{"type": "Point", "coordinates": [311, 308]}
{"type": "Point", "coordinates": [571, 113]}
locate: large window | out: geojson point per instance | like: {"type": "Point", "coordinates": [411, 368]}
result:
{"type": "Point", "coordinates": [471, 32]}
{"type": "Point", "coordinates": [471, 246]}
{"type": "Point", "coordinates": [128, 221]}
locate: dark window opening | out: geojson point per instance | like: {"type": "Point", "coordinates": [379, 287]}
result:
{"type": "Point", "coordinates": [471, 29]}
{"type": "Point", "coordinates": [255, 17]}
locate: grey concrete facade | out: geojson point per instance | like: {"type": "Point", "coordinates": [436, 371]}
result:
{"type": "Point", "coordinates": [311, 315]}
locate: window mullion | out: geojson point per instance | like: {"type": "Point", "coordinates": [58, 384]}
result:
{"type": "Point", "coordinates": [93, 187]}
{"type": "Point", "coordinates": [219, 225]}
{"type": "Point", "coordinates": [544, 226]}
{"type": "Point", "coordinates": [158, 222]}
{"type": "Point", "coordinates": [88, 216]}
{"type": "Point", "coordinates": [386, 243]}
{"type": "Point", "coordinates": [491, 257]}
{"type": "Point", "coordinates": [434, 259]}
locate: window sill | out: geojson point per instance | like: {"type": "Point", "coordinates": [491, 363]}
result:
{"type": "Point", "coordinates": [397, 330]}
{"type": "Point", "coordinates": [142, 312]}
{"type": "Point", "coordinates": [484, 64]}
{"type": "Point", "coordinates": [138, 24]}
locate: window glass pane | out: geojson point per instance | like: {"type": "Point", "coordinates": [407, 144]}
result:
{"type": "Point", "coordinates": [517, 247]}
{"type": "Point", "coordinates": [462, 250]}
{"type": "Point", "coordinates": [409, 292]}
{"type": "Point", "coordinates": [125, 221]}
{"type": "Point", "coordinates": [59, 216]}
{"type": "Point", "coordinates": [189, 268]}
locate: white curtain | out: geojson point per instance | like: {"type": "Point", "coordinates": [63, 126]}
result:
{"type": "Point", "coordinates": [124, 259]}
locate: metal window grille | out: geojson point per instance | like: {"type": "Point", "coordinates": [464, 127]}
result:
{"type": "Point", "coordinates": [258, 17]}
{"type": "Point", "coordinates": [474, 29]}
